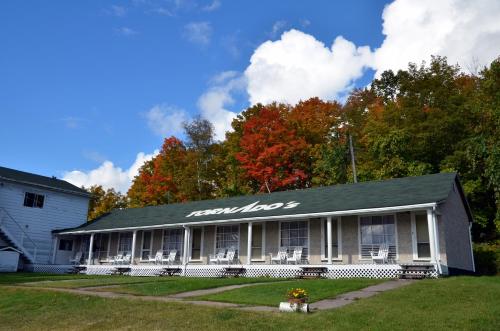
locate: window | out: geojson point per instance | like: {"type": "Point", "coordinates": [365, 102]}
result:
{"type": "Point", "coordinates": [146, 244]}
{"type": "Point", "coordinates": [65, 245]}
{"type": "Point", "coordinates": [376, 230]}
{"type": "Point", "coordinates": [421, 237]}
{"type": "Point", "coordinates": [196, 238]}
{"type": "Point", "coordinates": [295, 234]}
{"type": "Point", "coordinates": [173, 239]}
{"type": "Point", "coordinates": [33, 200]}
{"type": "Point", "coordinates": [335, 239]}
{"type": "Point", "coordinates": [257, 241]}
{"type": "Point", "coordinates": [101, 245]}
{"type": "Point", "coordinates": [228, 236]}
{"type": "Point", "coordinates": [125, 243]}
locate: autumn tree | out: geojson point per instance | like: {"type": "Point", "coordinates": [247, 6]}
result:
{"type": "Point", "coordinates": [103, 201]}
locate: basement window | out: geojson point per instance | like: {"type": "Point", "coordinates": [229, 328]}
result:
{"type": "Point", "coordinates": [33, 200]}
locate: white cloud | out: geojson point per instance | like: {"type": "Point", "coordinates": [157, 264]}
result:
{"type": "Point", "coordinates": [213, 103]}
{"type": "Point", "coordinates": [297, 67]}
{"type": "Point", "coordinates": [215, 4]}
{"type": "Point", "coordinates": [464, 31]}
{"type": "Point", "coordinates": [125, 31]}
{"type": "Point", "coordinates": [278, 26]}
{"type": "Point", "coordinates": [165, 120]}
{"type": "Point", "coordinates": [118, 11]}
{"type": "Point", "coordinates": [108, 175]}
{"type": "Point", "coordinates": [198, 32]}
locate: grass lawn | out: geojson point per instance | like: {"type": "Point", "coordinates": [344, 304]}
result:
{"type": "Point", "coordinates": [26, 277]}
{"type": "Point", "coordinates": [457, 303]}
{"type": "Point", "coordinates": [172, 285]}
{"type": "Point", "coordinates": [273, 294]}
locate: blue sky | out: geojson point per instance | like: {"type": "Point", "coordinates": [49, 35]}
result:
{"type": "Point", "coordinates": [79, 80]}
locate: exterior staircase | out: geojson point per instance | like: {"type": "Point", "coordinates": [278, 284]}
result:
{"type": "Point", "coordinates": [15, 236]}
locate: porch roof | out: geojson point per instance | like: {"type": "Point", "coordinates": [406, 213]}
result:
{"type": "Point", "coordinates": [408, 191]}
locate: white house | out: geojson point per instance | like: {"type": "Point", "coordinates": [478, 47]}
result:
{"type": "Point", "coordinates": [31, 207]}
{"type": "Point", "coordinates": [369, 229]}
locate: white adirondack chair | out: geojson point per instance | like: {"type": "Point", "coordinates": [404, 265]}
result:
{"type": "Point", "coordinates": [231, 252]}
{"type": "Point", "coordinates": [170, 258]}
{"type": "Point", "coordinates": [382, 255]}
{"type": "Point", "coordinates": [156, 258]}
{"type": "Point", "coordinates": [118, 259]}
{"type": "Point", "coordinates": [281, 257]}
{"type": "Point", "coordinates": [296, 257]}
{"type": "Point", "coordinates": [127, 259]}
{"type": "Point", "coordinates": [77, 258]}
{"type": "Point", "coordinates": [215, 258]}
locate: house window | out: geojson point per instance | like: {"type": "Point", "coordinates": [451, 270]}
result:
{"type": "Point", "coordinates": [101, 245]}
{"type": "Point", "coordinates": [65, 245]}
{"type": "Point", "coordinates": [421, 231]}
{"type": "Point", "coordinates": [173, 239]}
{"type": "Point", "coordinates": [295, 234]}
{"type": "Point", "coordinates": [228, 236]}
{"type": "Point", "coordinates": [146, 244]}
{"type": "Point", "coordinates": [33, 200]}
{"type": "Point", "coordinates": [377, 230]}
{"type": "Point", "coordinates": [335, 239]}
{"type": "Point", "coordinates": [125, 243]}
{"type": "Point", "coordinates": [196, 234]}
{"type": "Point", "coordinates": [257, 241]}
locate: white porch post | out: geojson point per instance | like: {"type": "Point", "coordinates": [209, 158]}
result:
{"type": "Point", "coordinates": [329, 238]}
{"type": "Point", "coordinates": [432, 240]}
{"type": "Point", "coordinates": [54, 251]}
{"type": "Point", "coordinates": [134, 240]}
{"type": "Point", "coordinates": [436, 239]}
{"type": "Point", "coordinates": [185, 255]}
{"type": "Point", "coordinates": [249, 243]}
{"type": "Point", "coordinates": [91, 246]}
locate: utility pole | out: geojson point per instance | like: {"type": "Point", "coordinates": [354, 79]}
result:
{"type": "Point", "coordinates": [353, 160]}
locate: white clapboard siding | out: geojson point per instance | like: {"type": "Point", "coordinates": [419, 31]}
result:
{"type": "Point", "coordinates": [60, 210]}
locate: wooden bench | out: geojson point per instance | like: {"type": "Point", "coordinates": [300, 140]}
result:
{"type": "Point", "coordinates": [120, 270]}
{"type": "Point", "coordinates": [232, 272]}
{"type": "Point", "coordinates": [170, 271]}
{"type": "Point", "coordinates": [312, 272]}
{"type": "Point", "coordinates": [416, 271]}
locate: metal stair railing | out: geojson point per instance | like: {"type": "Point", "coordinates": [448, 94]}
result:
{"type": "Point", "coordinates": [9, 226]}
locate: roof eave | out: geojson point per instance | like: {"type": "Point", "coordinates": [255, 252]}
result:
{"type": "Point", "coordinates": [82, 193]}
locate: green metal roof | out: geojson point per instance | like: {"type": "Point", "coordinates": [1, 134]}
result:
{"type": "Point", "coordinates": [38, 180]}
{"type": "Point", "coordinates": [366, 195]}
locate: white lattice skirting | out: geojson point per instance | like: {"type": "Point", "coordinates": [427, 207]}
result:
{"type": "Point", "coordinates": [284, 271]}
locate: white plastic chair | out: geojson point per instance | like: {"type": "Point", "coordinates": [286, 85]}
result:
{"type": "Point", "coordinates": [170, 258]}
{"type": "Point", "coordinates": [127, 259]}
{"type": "Point", "coordinates": [296, 257]}
{"type": "Point", "coordinates": [231, 252]}
{"type": "Point", "coordinates": [156, 258]}
{"type": "Point", "coordinates": [281, 257]}
{"type": "Point", "coordinates": [382, 254]}
{"type": "Point", "coordinates": [77, 258]}
{"type": "Point", "coordinates": [215, 258]}
{"type": "Point", "coordinates": [118, 259]}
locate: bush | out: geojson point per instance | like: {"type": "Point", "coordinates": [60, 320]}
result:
{"type": "Point", "coordinates": [487, 258]}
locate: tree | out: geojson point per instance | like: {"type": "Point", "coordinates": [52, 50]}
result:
{"type": "Point", "coordinates": [103, 201]}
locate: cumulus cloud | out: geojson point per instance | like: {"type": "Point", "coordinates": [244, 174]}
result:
{"type": "Point", "coordinates": [297, 67]}
{"type": "Point", "coordinates": [165, 120]}
{"type": "Point", "coordinates": [463, 31]}
{"type": "Point", "coordinates": [199, 33]}
{"type": "Point", "coordinates": [108, 175]}
{"type": "Point", "coordinates": [214, 102]}
{"type": "Point", "coordinates": [278, 27]}
{"type": "Point", "coordinates": [215, 4]}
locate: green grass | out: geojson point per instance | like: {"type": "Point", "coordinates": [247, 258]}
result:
{"type": "Point", "coordinates": [172, 285]}
{"type": "Point", "coordinates": [273, 294]}
{"type": "Point", "coordinates": [459, 303]}
{"type": "Point", "coordinates": [25, 277]}
{"type": "Point", "coordinates": [100, 281]}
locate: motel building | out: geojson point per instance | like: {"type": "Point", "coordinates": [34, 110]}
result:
{"type": "Point", "coordinates": [369, 229]}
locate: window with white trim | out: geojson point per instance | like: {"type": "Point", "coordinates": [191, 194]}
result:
{"type": "Point", "coordinates": [196, 240]}
{"type": "Point", "coordinates": [125, 243]}
{"type": "Point", "coordinates": [173, 239]}
{"type": "Point", "coordinates": [227, 236]}
{"type": "Point", "coordinates": [335, 239]}
{"type": "Point", "coordinates": [257, 241]}
{"type": "Point", "coordinates": [422, 237]}
{"type": "Point", "coordinates": [293, 234]}
{"type": "Point", "coordinates": [147, 241]}
{"type": "Point", "coordinates": [33, 200]}
{"type": "Point", "coordinates": [66, 244]}
{"type": "Point", "coordinates": [376, 230]}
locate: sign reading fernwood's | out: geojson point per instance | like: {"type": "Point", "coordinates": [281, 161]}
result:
{"type": "Point", "coordinates": [246, 209]}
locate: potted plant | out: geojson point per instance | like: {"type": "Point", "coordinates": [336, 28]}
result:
{"type": "Point", "coordinates": [296, 301]}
